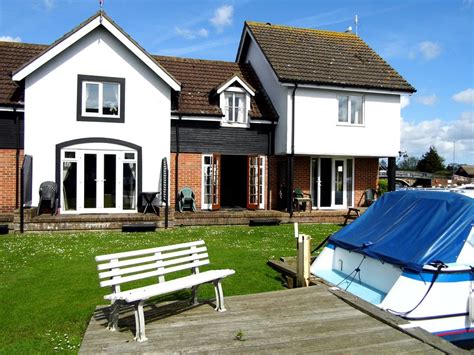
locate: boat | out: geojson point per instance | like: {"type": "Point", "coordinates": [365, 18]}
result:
{"type": "Point", "coordinates": [411, 254]}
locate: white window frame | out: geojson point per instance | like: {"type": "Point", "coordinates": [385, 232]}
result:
{"type": "Point", "coordinates": [333, 206]}
{"type": "Point", "coordinates": [348, 122]}
{"type": "Point", "coordinates": [79, 160]}
{"type": "Point", "coordinates": [100, 99]}
{"type": "Point", "coordinates": [243, 120]}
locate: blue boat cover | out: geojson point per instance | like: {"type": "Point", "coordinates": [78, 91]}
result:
{"type": "Point", "coordinates": [411, 228]}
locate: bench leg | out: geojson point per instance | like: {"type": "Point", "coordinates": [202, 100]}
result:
{"type": "Point", "coordinates": [219, 296]}
{"type": "Point", "coordinates": [114, 316]}
{"type": "Point", "coordinates": [139, 322]}
{"type": "Point", "coordinates": [194, 299]}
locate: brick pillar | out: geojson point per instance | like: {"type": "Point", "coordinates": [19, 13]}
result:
{"type": "Point", "coordinates": [8, 179]}
{"type": "Point", "coordinates": [366, 175]}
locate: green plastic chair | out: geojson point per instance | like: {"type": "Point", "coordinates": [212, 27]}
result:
{"type": "Point", "coordinates": [301, 199]}
{"type": "Point", "coordinates": [187, 200]}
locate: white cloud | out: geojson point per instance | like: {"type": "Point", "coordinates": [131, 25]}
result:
{"type": "Point", "coordinates": [429, 50]}
{"type": "Point", "coordinates": [203, 32]}
{"type": "Point", "coordinates": [404, 101]}
{"type": "Point", "coordinates": [48, 4]}
{"type": "Point", "coordinates": [10, 39]}
{"type": "Point", "coordinates": [191, 34]}
{"type": "Point", "coordinates": [465, 96]}
{"type": "Point", "coordinates": [417, 137]}
{"type": "Point", "coordinates": [222, 17]}
{"type": "Point", "coordinates": [428, 100]}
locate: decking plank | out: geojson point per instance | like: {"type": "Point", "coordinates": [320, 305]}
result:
{"type": "Point", "coordinates": [290, 321]}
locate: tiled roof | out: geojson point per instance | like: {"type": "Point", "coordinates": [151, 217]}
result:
{"type": "Point", "coordinates": [12, 56]}
{"type": "Point", "coordinates": [200, 78]}
{"type": "Point", "coordinates": [325, 58]}
{"type": "Point", "coordinates": [469, 169]}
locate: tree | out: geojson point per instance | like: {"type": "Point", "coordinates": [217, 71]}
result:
{"type": "Point", "coordinates": [409, 163]}
{"type": "Point", "coordinates": [431, 162]}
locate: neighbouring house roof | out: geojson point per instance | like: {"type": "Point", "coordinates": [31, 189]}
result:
{"type": "Point", "coordinates": [200, 78]}
{"type": "Point", "coordinates": [322, 58]}
{"type": "Point", "coordinates": [466, 170]}
{"type": "Point", "coordinates": [100, 19]}
{"type": "Point", "coordinates": [12, 56]}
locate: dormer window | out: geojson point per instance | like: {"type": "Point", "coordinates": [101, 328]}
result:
{"type": "Point", "coordinates": [235, 95]}
{"type": "Point", "coordinates": [235, 107]}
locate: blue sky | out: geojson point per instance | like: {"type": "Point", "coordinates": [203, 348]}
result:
{"type": "Point", "coordinates": [431, 43]}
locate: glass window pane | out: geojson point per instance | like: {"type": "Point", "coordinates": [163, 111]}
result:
{"type": "Point", "coordinates": [356, 109]}
{"type": "Point", "coordinates": [109, 181]}
{"type": "Point", "coordinates": [229, 107]}
{"type": "Point", "coordinates": [240, 106]}
{"type": "Point", "coordinates": [129, 185]}
{"type": "Point", "coordinates": [339, 182]}
{"type": "Point", "coordinates": [130, 156]}
{"type": "Point", "coordinates": [315, 182]}
{"type": "Point", "coordinates": [70, 185]}
{"type": "Point", "coordinates": [343, 108]}
{"type": "Point", "coordinates": [92, 97]}
{"type": "Point", "coordinates": [110, 105]}
{"type": "Point", "coordinates": [90, 181]}
{"type": "Point", "coordinates": [70, 155]}
{"type": "Point", "coordinates": [349, 182]}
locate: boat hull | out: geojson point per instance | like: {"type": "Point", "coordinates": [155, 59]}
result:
{"type": "Point", "coordinates": [439, 301]}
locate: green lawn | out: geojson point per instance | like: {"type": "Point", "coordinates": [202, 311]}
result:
{"type": "Point", "coordinates": [49, 285]}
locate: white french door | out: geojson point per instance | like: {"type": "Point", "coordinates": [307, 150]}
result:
{"type": "Point", "coordinates": [332, 182]}
{"type": "Point", "coordinates": [96, 181]}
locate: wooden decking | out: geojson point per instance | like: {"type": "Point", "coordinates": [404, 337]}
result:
{"type": "Point", "coordinates": [311, 320]}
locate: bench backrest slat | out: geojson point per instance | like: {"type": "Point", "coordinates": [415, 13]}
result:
{"type": "Point", "coordinates": [146, 259]}
{"type": "Point", "coordinates": [155, 265]}
{"type": "Point", "coordinates": [120, 280]}
{"type": "Point", "coordinates": [133, 253]}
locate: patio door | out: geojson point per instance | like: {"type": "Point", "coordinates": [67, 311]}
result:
{"type": "Point", "coordinates": [98, 181]}
{"type": "Point", "coordinates": [255, 182]}
{"type": "Point", "coordinates": [211, 177]}
{"type": "Point", "coordinates": [332, 182]}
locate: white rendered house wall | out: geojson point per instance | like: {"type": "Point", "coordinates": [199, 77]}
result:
{"type": "Point", "coordinates": [51, 106]}
{"type": "Point", "coordinates": [318, 132]}
{"type": "Point", "coordinates": [273, 88]}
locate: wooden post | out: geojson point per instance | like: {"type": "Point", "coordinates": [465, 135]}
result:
{"type": "Point", "coordinates": [303, 260]}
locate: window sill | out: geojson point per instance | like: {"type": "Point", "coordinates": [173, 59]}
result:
{"type": "Point", "coordinates": [108, 119]}
{"type": "Point", "coordinates": [234, 124]}
{"type": "Point", "coordinates": [349, 124]}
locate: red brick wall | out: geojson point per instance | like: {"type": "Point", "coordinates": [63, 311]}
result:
{"type": "Point", "coordinates": [303, 174]}
{"type": "Point", "coordinates": [366, 176]}
{"type": "Point", "coordinates": [8, 179]}
{"type": "Point", "coordinates": [189, 174]}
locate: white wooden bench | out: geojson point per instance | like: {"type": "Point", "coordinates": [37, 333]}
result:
{"type": "Point", "coordinates": [120, 268]}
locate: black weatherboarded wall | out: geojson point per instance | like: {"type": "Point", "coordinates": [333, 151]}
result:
{"type": "Point", "coordinates": [8, 130]}
{"type": "Point", "coordinates": [210, 137]}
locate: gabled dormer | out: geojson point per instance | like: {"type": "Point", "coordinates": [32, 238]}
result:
{"type": "Point", "coordinates": [234, 100]}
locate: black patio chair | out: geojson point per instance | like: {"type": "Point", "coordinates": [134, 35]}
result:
{"type": "Point", "coordinates": [48, 191]}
